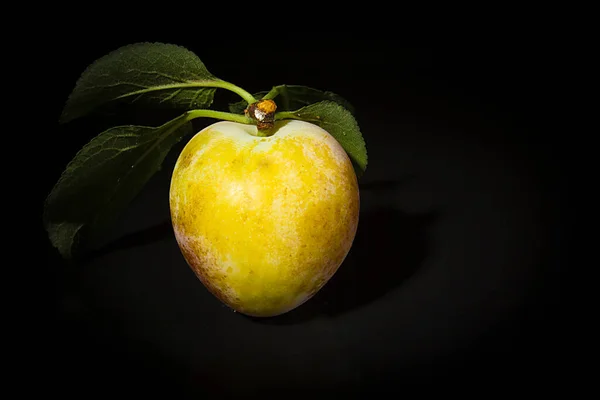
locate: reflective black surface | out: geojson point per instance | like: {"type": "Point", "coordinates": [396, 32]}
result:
{"type": "Point", "coordinates": [453, 274]}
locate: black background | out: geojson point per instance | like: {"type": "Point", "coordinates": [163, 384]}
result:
{"type": "Point", "coordinates": [453, 276]}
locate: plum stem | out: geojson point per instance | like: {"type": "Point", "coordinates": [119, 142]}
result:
{"type": "Point", "coordinates": [263, 113]}
{"type": "Point", "coordinates": [235, 89]}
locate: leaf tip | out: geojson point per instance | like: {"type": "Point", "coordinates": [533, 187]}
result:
{"type": "Point", "coordinates": [64, 238]}
{"type": "Point", "coordinates": [64, 117]}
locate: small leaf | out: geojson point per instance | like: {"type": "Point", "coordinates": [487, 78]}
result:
{"type": "Point", "coordinates": [103, 178]}
{"type": "Point", "coordinates": [293, 97]}
{"type": "Point", "coordinates": [149, 74]}
{"type": "Point", "coordinates": [340, 124]}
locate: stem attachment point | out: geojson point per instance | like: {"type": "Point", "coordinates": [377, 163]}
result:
{"type": "Point", "coordinates": [263, 112]}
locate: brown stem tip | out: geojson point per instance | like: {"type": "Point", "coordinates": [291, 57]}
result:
{"type": "Point", "coordinates": [263, 111]}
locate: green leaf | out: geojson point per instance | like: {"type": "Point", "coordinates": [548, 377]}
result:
{"type": "Point", "coordinates": [148, 74]}
{"type": "Point", "coordinates": [340, 124]}
{"type": "Point", "coordinates": [103, 178]}
{"type": "Point", "coordinates": [293, 97]}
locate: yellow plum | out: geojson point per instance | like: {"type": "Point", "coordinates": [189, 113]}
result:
{"type": "Point", "coordinates": [264, 222]}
